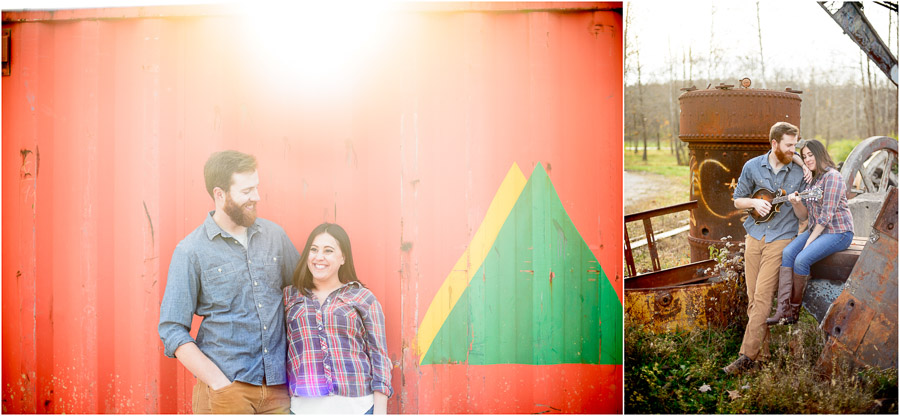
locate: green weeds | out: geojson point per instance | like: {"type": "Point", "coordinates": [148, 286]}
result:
{"type": "Point", "coordinates": [681, 373]}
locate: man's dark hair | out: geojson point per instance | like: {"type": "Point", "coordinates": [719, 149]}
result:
{"type": "Point", "coordinates": [303, 279]}
{"type": "Point", "coordinates": [781, 128]}
{"type": "Point", "coordinates": [221, 166]}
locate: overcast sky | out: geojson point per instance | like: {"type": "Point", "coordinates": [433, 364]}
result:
{"type": "Point", "coordinates": [797, 36]}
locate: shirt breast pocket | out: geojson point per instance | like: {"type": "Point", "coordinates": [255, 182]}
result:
{"type": "Point", "coordinates": [218, 284]}
{"type": "Point", "coordinates": [273, 270]}
{"type": "Point", "coordinates": [346, 320]}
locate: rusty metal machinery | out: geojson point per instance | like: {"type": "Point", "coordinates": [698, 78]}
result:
{"type": "Point", "coordinates": [862, 323]}
{"type": "Point", "coordinates": [870, 166]}
{"type": "Point", "coordinates": [724, 128]}
{"type": "Point", "coordinates": [676, 308]}
{"type": "Point", "coordinates": [850, 17]}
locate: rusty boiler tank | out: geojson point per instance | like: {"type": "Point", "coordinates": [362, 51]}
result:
{"type": "Point", "coordinates": [725, 127]}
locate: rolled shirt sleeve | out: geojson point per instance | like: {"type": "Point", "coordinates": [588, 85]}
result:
{"type": "Point", "coordinates": [377, 348]}
{"type": "Point", "coordinates": [743, 188]}
{"type": "Point", "coordinates": [179, 302]}
{"type": "Point", "coordinates": [830, 199]}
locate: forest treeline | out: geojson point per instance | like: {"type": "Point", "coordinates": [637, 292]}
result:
{"type": "Point", "coordinates": [829, 111]}
{"type": "Point", "coordinates": [846, 101]}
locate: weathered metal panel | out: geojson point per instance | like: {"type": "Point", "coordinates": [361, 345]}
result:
{"type": "Point", "coordinates": [681, 308]}
{"type": "Point", "coordinates": [827, 277]}
{"type": "Point", "coordinates": [862, 323]}
{"type": "Point", "coordinates": [724, 128]}
{"type": "Point", "coordinates": [109, 114]}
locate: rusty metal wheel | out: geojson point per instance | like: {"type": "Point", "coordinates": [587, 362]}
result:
{"type": "Point", "coordinates": [871, 166]}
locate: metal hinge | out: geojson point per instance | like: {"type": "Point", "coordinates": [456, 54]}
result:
{"type": "Point", "coordinates": [6, 33]}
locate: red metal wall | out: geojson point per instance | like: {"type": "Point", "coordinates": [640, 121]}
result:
{"type": "Point", "coordinates": [109, 114]}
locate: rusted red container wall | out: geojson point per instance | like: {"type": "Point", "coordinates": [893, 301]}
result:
{"type": "Point", "coordinates": [109, 114]}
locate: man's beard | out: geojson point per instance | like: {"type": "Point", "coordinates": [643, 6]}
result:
{"type": "Point", "coordinates": [783, 157]}
{"type": "Point", "coordinates": [238, 214]}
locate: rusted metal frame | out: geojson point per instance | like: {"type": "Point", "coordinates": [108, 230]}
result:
{"type": "Point", "coordinates": [851, 19]}
{"type": "Point", "coordinates": [651, 244]}
{"type": "Point", "coordinates": [629, 257]}
{"type": "Point", "coordinates": [886, 4]}
{"type": "Point", "coordinates": [675, 276]}
{"type": "Point", "coordinates": [866, 174]}
{"type": "Point", "coordinates": [684, 206]}
{"type": "Point", "coordinates": [645, 216]}
{"type": "Point", "coordinates": [886, 172]}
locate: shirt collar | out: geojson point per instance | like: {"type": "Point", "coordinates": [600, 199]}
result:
{"type": "Point", "coordinates": [296, 293]}
{"type": "Point", "coordinates": [213, 229]}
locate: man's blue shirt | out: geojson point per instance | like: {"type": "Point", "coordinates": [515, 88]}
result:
{"type": "Point", "coordinates": [238, 292]}
{"type": "Point", "coordinates": [757, 174]}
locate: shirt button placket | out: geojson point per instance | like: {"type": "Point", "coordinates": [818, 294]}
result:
{"type": "Point", "coordinates": [324, 345]}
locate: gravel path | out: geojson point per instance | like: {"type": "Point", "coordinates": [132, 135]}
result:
{"type": "Point", "coordinates": [640, 185]}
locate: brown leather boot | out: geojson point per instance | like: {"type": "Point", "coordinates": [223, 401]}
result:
{"type": "Point", "coordinates": [785, 284]}
{"type": "Point", "coordinates": [799, 286]}
{"type": "Point", "coordinates": [742, 364]}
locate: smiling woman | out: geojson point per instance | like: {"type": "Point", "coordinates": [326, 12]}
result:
{"type": "Point", "coordinates": [348, 370]}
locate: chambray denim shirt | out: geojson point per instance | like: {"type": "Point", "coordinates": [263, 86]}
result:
{"type": "Point", "coordinates": [238, 292]}
{"type": "Point", "coordinates": [757, 174]}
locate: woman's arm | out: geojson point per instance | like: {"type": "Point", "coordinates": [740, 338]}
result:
{"type": "Point", "coordinates": [799, 209]}
{"type": "Point", "coordinates": [380, 403]}
{"type": "Point", "coordinates": [376, 340]}
{"type": "Point", "coordinates": [816, 232]}
{"type": "Point", "coordinates": [807, 174]}
{"type": "Point", "coordinates": [831, 197]}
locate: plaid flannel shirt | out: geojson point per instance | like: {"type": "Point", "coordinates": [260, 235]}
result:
{"type": "Point", "coordinates": [832, 210]}
{"type": "Point", "coordinates": [339, 347]}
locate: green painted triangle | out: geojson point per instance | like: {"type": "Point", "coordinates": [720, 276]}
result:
{"type": "Point", "coordinates": [512, 312]}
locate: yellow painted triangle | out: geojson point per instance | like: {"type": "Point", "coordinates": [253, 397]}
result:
{"type": "Point", "coordinates": [470, 261]}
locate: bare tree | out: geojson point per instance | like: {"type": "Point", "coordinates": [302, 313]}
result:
{"type": "Point", "coordinates": [869, 100]}
{"type": "Point", "coordinates": [762, 59]}
{"type": "Point", "coordinates": [643, 115]}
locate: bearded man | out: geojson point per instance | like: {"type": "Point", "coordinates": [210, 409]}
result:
{"type": "Point", "coordinates": [766, 241]}
{"type": "Point", "coordinates": [231, 271]}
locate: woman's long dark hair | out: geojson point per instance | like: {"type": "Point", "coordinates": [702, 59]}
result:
{"type": "Point", "coordinates": [823, 160]}
{"type": "Point", "coordinates": [303, 279]}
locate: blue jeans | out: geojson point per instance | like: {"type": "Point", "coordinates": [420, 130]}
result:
{"type": "Point", "coordinates": [801, 259]}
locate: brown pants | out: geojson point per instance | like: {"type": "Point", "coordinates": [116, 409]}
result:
{"type": "Point", "coordinates": [761, 264]}
{"type": "Point", "coordinates": [240, 397]}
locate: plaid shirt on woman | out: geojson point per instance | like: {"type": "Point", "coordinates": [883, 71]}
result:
{"type": "Point", "coordinates": [338, 347]}
{"type": "Point", "coordinates": [832, 212]}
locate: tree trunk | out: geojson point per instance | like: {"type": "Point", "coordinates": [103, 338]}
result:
{"type": "Point", "coordinates": [658, 145]}
{"type": "Point", "coordinates": [870, 102]}
{"type": "Point", "coordinates": [762, 59]}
